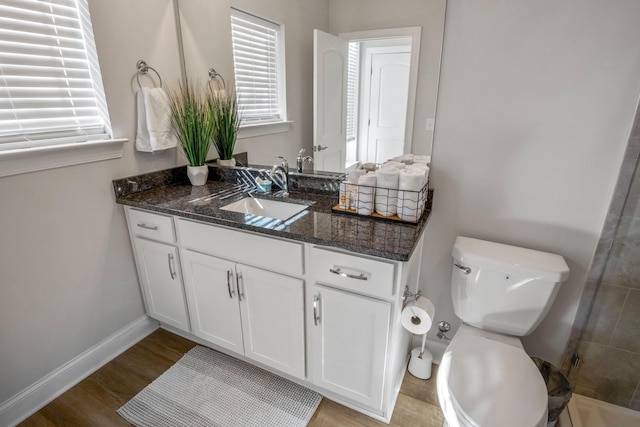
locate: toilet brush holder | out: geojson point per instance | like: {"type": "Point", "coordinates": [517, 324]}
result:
{"type": "Point", "coordinates": [420, 365]}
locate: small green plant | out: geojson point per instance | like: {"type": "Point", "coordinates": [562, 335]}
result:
{"type": "Point", "coordinates": [193, 121]}
{"type": "Point", "coordinates": [224, 106]}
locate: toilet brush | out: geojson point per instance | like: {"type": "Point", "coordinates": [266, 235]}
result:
{"type": "Point", "coordinates": [424, 342]}
{"type": "Point", "coordinates": [421, 360]}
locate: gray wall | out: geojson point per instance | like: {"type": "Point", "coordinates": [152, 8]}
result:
{"type": "Point", "coordinates": [67, 277]}
{"type": "Point", "coordinates": [535, 107]}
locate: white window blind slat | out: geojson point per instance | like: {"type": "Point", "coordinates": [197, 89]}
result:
{"type": "Point", "coordinates": [259, 75]}
{"type": "Point", "coordinates": [353, 69]}
{"type": "Point", "coordinates": [50, 85]}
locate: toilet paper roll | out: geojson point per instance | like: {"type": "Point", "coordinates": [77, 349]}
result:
{"type": "Point", "coordinates": [417, 316]}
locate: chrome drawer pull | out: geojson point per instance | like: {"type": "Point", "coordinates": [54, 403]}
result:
{"type": "Point", "coordinates": [171, 266]}
{"type": "Point", "coordinates": [229, 284]}
{"type": "Point", "coordinates": [465, 270]}
{"type": "Point", "coordinates": [240, 293]}
{"type": "Point", "coordinates": [316, 316]}
{"type": "Point", "coordinates": [339, 272]}
{"type": "Point", "coordinates": [148, 227]}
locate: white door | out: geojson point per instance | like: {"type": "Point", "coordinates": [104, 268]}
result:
{"type": "Point", "coordinates": [158, 265]}
{"type": "Point", "coordinates": [387, 104]}
{"type": "Point", "coordinates": [331, 60]}
{"type": "Point", "coordinates": [272, 307]}
{"type": "Point", "coordinates": [213, 300]}
{"type": "Point", "coordinates": [349, 336]}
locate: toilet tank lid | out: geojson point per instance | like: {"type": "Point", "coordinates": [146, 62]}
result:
{"type": "Point", "coordinates": [511, 259]}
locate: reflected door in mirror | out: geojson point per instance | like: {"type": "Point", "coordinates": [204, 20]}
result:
{"type": "Point", "coordinates": [330, 101]}
{"type": "Point", "coordinates": [386, 101]}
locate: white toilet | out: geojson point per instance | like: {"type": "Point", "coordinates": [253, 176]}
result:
{"type": "Point", "coordinates": [500, 293]}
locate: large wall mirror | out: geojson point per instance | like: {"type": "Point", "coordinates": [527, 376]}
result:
{"type": "Point", "coordinates": [362, 75]}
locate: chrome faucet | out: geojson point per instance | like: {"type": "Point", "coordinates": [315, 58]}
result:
{"type": "Point", "coordinates": [300, 160]}
{"type": "Point", "coordinates": [282, 172]}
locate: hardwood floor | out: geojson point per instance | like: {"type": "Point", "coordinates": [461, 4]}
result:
{"type": "Point", "coordinates": [94, 401]}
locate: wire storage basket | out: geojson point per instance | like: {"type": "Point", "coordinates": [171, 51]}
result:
{"type": "Point", "coordinates": [383, 203]}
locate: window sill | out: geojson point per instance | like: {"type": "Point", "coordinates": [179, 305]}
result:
{"type": "Point", "coordinates": [263, 129]}
{"type": "Point", "coordinates": [14, 162]}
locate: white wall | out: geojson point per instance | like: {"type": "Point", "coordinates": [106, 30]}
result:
{"type": "Point", "coordinates": [67, 277]}
{"type": "Point", "coordinates": [535, 107]}
{"type": "Point", "coordinates": [207, 40]}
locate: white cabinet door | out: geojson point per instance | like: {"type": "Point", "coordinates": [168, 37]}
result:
{"type": "Point", "coordinates": [159, 269]}
{"type": "Point", "coordinates": [272, 307]}
{"type": "Point", "coordinates": [349, 336]}
{"type": "Point", "coordinates": [213, 300]}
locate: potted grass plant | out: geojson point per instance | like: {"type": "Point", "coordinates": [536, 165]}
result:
{"type": "Point", "coordinates": [193, 122]}
{"type": "Point", "coordinates": [224, 106]}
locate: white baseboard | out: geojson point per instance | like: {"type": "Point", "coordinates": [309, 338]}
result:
{"type": "Point", "coordinates": [34, 397]}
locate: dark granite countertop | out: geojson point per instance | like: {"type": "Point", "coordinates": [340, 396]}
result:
{"type": "Point", "coordinates": [170, 192]}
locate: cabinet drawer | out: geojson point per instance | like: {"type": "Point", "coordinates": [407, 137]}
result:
{"type": "Point", "coordinates": [151, 225]}
{"type": "Point", "coordinates": [271, 254]}
{"type": "Point", "coordinates": [353, 273]}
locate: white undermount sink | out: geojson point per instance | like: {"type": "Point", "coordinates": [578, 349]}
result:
{"type": "Point", "coordinates": [264, 207]}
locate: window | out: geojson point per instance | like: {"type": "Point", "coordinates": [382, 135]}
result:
{"type": "Point", "coordinates": [258, 59]}
{"type": "Point", "coordinates": [353, 71]}
{"type": "Point", "coordinates": [51, 90]}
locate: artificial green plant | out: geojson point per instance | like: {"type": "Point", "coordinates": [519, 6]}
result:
{"type": "Point", "coordinates": [193, 121]}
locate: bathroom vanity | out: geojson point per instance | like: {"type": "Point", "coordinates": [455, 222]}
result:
{"type": "Point", "coordinates": [315, 298]}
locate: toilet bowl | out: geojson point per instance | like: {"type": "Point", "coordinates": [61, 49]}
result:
{"type": "Point", "coordinates": [500, 292]}
{"type": "Point", "coordinates": [487, 379]}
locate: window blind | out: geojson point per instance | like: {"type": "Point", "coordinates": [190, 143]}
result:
{"type": "Point", "coordinates": [50, 85]}
{"type": "Point", "coordinates": [257, 55]}
{"type": "Point", "coordinates": [352, 89]}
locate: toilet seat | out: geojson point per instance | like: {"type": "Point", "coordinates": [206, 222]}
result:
{"type": "Point", "coordinates": [487, 380]}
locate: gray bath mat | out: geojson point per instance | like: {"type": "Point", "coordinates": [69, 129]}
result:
{"type": "Point", "coordinates": [208, 388]}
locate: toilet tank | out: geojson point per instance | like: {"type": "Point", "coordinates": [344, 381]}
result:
{"type": "Point", "coordinates": [502, 288]}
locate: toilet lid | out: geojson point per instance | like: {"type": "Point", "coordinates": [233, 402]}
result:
{"type": "Point", "coordinates": [495, 384]}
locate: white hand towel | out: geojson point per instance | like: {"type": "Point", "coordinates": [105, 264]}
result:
{"type": "Point", "coordinates": [387, 191]}
{"type": "Point", "coordinates": [366, 194]}
{"type": "Point", "coordinates": [410, 182]}
{"type": "Point", "coordinates": [154, 121]}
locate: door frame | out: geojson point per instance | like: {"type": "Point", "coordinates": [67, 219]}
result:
{"type": "Point", "coordinates": [391, 33]}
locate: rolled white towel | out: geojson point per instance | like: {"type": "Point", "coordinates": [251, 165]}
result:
{"type": "Point", "coordinates": [422, 168]}
{"type": "Point", "coordinates": [392, 165]}
{"type": "Point", "coordinates": [354, 175]}
{"type": "Point", "coordinates": [387, 191]}
{"type": "Point", "coordinates": [366, 194]}
{"type": "Point", "coordinates": [410, 183]}
{"type": "Point", "coordinates": [405, 158]}
{"type": "Point", "coordinates": [411, 179]}
{"type": "Point", "coordinates": [422, 159]}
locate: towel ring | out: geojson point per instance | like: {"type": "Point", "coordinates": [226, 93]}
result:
{"type": "Point", "coordinates": [143, 68]}
{"type": "Point", "coordinates": [214, 76]}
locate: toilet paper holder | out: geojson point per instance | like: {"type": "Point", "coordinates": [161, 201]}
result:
{"type": "Point", "coordinates": [408, 294]}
